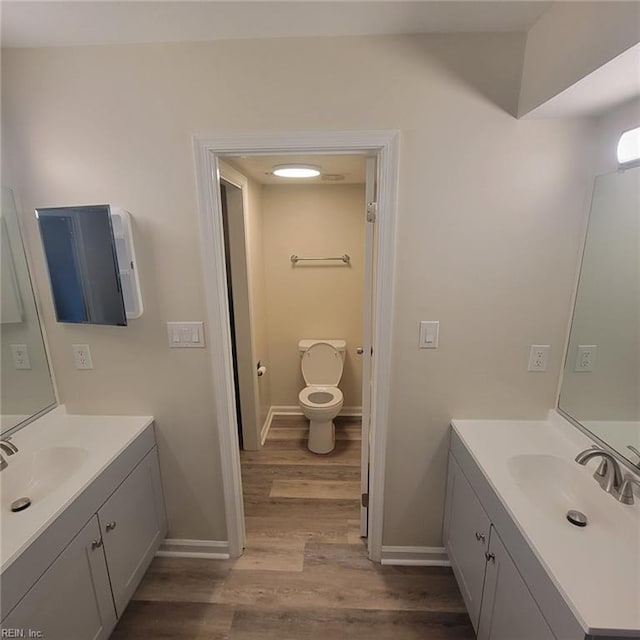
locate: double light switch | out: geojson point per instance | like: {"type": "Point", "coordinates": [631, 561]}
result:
{"type": "Point", "coordinates": [186, 335]}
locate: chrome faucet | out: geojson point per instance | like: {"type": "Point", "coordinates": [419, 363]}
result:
{"type": "Point", "coordinates": [608, 474]}
{"type": "Point", "coordinates": [9, 448]}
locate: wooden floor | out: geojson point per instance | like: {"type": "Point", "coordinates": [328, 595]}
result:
{"type": "Point", "coordinates": [305, 574]}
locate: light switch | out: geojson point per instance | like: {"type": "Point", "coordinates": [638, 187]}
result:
{"type": "Point", "coordinates": [20, 355]}
{"type": "Point", "coordinates": [429, 330]}
{"type": "Point", "coordinates": [185, 335]}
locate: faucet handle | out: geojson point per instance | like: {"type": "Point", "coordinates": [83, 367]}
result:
{"type": "Point", "coordinates": [626, 490]}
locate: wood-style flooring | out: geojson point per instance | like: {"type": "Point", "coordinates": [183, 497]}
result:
{"type": "Point", "coordinates": [305, 574]}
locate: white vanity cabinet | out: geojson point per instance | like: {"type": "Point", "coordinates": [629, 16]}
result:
{"type": "Point", "coordinates": [132, 526]}
{"type": "Point", "coordinates": [73, 598]}
{"type": "Point", "coordinates": [74, 581]}
{"type": "Point", "coordinates": [497, 599]}
{"type": "Point", "coordinates": [508, 611]}
{"type": "Point", "coordinates": [466, 538]}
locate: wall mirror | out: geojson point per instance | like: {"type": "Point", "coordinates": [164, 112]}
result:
{"type": "Point", "coordinates": [26, 388]}
{"type": "Point", "coordinates": [601, 381]}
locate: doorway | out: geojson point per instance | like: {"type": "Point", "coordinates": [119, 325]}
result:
{"type": "Point", "coordinates": [381, 214]}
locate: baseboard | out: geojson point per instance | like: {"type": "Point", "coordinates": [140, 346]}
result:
{"type": "Point", "coordinates": [180, 548]}
{"type": "Point", "coordinates": [415, 556]}
{"type": "Point", "coordinates": [264, 432]}
{"type": "Point", "coordinates": [294, 410]}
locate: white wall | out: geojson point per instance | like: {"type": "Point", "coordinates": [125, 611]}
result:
{"type": "Point", "coordinates": [313, 300]}
{"type": "Point", "coordinates": [570, 41]}
{"type": "Point", "coordinates": [490, 218]}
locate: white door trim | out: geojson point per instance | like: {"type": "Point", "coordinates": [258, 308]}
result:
{"type": "Point", "coordinates": [208, 148]}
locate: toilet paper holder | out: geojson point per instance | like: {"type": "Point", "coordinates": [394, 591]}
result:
{"type": "Point", "coordinates": [260, 369]}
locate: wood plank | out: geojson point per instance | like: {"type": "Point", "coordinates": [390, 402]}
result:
{"type": "Point", "coordinates": [272, 554]}
{"type": "Point", "coordinates": [302, 508]}
{"type": "Point", "coordinates": [317, 489]}
{"type": "Point", "coordinates": [174, 621]}
{"type": "Point", "coordinates": [183, 579]}
{"type": "Point", "coordinates": [346, 452]}
{"type": "Point", "coordinates": [342, 589]}
{"type": "Point", "coordinates": [251, 623]}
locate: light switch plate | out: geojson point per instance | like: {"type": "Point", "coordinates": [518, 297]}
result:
{"type": "Point", "coordinates": [538, 357]}
{"type": "Point", "coordinates": [20, 355]}
{"type": "Point", "coordinates": [82, 356]}
{"type": "Point", "coordinates": [186, 335]}
{"type": "Point", "coordinates": [429, 332]}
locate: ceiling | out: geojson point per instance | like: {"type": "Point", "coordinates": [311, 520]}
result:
{"type": "Point", "coordinates": [350, 167]}
{"type": "Point", "coordinates": [51, 24]}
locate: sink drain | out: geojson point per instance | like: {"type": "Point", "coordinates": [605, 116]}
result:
{"type": "Point", "coordinates": [20, 504]}
{"type": "Point", "coordinates": [577, 518]}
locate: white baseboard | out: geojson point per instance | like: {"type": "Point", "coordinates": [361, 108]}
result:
{"type": "Point", "coordinates": [208, 549]}
{"type": "Point", "coordinates": [264, 432]}
{"type": "Point", "coordinates": [294, 410]}
{"type": "Point", "coordinates": [415, 556]}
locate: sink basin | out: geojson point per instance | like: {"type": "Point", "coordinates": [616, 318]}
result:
{"type": "Point", "coordinates": [555, 485]}
{"type": "Point", "coordinates": [40, 473]}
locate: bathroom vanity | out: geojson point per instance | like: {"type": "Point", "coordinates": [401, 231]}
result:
{"type": "Point", "coordinates": [72, 560]}
{"type": "Point", "coordinates": [523, 569]}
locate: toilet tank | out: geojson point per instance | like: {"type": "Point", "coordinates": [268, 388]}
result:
{"type": "Point", "coordinates": [338, 345]}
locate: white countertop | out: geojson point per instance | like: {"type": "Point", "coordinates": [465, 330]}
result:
{"type": "Point", "coordinates": [100, 439]}
{"type": "Point", "coordinates": [596, 569]}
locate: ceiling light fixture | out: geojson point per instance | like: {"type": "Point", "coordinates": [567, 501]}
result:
{"type": "Point", "coordinates": [629, 147]}
{"type": "Point", "coordinates": [296, 171]}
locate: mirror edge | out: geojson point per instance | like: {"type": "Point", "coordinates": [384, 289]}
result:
{"type": "Point", "coordinates": [39, 313]}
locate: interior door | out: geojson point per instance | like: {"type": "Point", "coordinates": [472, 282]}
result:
{"type": "Point", "coordinates": [371, 189]}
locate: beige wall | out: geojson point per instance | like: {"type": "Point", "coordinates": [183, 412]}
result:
{"type": "Point", "coordinates": [490, 216]}
{"type": "Point", "coordinates": [313, 300]}
{"type": "Point", "coordinates": [570, 41]}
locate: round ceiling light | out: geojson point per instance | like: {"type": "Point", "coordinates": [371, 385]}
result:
{"type": "Point", "coordinates": [296, 171]}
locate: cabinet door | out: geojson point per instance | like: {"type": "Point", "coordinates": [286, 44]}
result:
{"type": "Point", "coordinates": [509, 611]}
{"type": "Point", "coordinates": [466, 537]}
{"type": "Point", "coordinates": [133, 525]}
{"type": "Point", "coordinates": [72, 599]}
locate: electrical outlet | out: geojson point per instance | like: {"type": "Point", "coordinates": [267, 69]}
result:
{"type": "Point", "coordinates": [585, 358]}
{"type": "Point", "coordinates": [538, 357]}
{"type": "Point", "coordinates": [20, 355]}
{"type": "Point", "coordinates": [82, 356]}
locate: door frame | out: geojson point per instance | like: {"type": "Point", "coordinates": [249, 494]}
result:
{"type": "Point", "coordinates": [208, 149]}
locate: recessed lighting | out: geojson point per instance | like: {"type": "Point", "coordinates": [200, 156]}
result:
{"type": "Point", "coordinates": [629, 146]}
{"type": "Point", "coordinates": [296, 171]}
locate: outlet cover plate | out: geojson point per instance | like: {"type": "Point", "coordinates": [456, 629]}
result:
{"type": "Point", "coordinates": [538, 357]}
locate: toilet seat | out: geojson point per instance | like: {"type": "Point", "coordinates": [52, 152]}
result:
{"type": "Point", "coordinates": [326, 397]}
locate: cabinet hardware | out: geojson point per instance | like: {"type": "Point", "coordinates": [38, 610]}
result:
{"type": "Point", "coordinates": [490, 556]}
{"type": "Point", "coordinates": [480, 537]}
{"type": "Point", "coordinates": [96, 544]}
{"type": "Point", "coordinates": [111, 525]}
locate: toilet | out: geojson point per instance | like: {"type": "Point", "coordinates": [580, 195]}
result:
{"type": "Point", "coordinates": [321, 400]}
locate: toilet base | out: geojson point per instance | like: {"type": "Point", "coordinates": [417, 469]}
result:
{"type": "Point", "coordinates": [322, 436]}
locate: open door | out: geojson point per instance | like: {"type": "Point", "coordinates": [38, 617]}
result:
{"type": "Point", "coordinates": [371, 190]}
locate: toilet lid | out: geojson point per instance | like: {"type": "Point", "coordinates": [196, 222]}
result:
{"type": "Point", "coordinates": [322, 365]}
